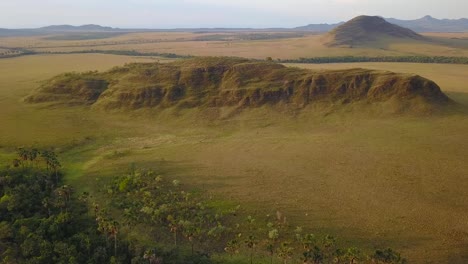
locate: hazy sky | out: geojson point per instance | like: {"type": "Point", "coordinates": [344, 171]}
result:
{"type": "Point", "coordinates": [215, 13]}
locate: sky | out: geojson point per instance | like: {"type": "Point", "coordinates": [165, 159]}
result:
{"type": "Point", "coordinates": [215, 13]}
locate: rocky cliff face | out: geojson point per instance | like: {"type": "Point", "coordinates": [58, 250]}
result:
{"type": "Point", "coordinates": [218, 82]}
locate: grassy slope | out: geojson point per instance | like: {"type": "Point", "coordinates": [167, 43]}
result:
{"type": "Point", "coordinates": [398, 182]}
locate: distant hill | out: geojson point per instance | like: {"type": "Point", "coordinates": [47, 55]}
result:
{"type": "Point", "coordinates": [237, 83]}
{"type": "Point", "coordinates": [430, 24]}
{"type": "Point", "coordinates": [424, 24]}
{"type": "Point", "coordinates": [364, 29]}
{"type": "Point", "coordinates": [319, 27]}
{"type": "Point", "coordinates": [83, 28]}
{"type": "Point", "coordinates": [61, 29]}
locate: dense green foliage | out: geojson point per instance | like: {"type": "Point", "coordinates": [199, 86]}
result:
{"type": "Point", "coordinates": [42, 221]}
{"type": "Point", "coordinates": [412, 59]}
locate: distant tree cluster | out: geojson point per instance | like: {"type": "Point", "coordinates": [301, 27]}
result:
{"type": "Point", "coordinates": [126, 53]}
{"type": "Point", "coordinates": [350, 59]}
{"type": "Point", "coordinates": [10, 53]}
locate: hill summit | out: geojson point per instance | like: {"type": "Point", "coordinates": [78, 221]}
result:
{"type": "Point", "coordinates": [362, 29]}
{"type": "Point", "coordinates": [238, 83]}
{"type": "Point", "coordinates": [70, 28]}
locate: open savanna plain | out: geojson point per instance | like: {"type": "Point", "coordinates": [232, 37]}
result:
{"type": "Point", "coordinates": [248, 44]}
{"type": "Point", "coordinates": [374, 181]}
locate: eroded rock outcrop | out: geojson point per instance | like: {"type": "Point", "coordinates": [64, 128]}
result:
{"type": "Point", "coordinates": [218, 82]}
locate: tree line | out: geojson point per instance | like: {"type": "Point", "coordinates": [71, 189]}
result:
{"type": "Point", "coordinates": [311, 60]}
{"type": "Point", "coordinates": [350, 59]}
{"type": "Point", "coordinates": [123, 52]}
{"type": "Point", "coordinates": [11, 53]}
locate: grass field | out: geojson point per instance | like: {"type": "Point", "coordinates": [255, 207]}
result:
{"type": "Point", "coordinates": [185, 43]}
{"type": "Point", "coordinates": [395, 182]}
{"type": "Point", "coordinates": [23, 125]}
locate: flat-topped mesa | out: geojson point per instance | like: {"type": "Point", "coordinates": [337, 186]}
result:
{"type": "Point", "coordinates": [219, 82]}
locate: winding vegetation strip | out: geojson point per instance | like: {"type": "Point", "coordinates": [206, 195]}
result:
{"type": "Point", "coordinates": [312, 60]}
{"type": "Point", "coordinates": [410, 59]}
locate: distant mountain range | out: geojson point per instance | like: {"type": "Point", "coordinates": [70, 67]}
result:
{"type": "Point", "coordinates": [91, 28]}
{"type": "Point", "coordinates": [430, 24]}
{"type": "Point", "coordinates": [63, 29]}
{"type": "Point", "coordinates": [425, 24]}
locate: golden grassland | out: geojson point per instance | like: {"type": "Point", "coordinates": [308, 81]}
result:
{"type": "Point", "coordinates": [395, 181]}
{"type": "Point", "coordinates": [447, 34]}
{"type": "Point", "coordinates": [22, 124]}
{"type": "Point", "coordinates": [183, 43]}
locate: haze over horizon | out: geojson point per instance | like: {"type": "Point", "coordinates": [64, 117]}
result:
{"type": "Point", "coordinates": [214, 13]}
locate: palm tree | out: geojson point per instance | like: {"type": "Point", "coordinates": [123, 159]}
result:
{"type": "Point", "coordinates": [285, 252]}
{"type": "Point", "coordinates": [113, 231]}
{"type": "Point", "coordinates": [23, 154]}
{"type": "Point", "coordinates": [32, 155]}
{"type": "Point", "coordinates": [52, 162]}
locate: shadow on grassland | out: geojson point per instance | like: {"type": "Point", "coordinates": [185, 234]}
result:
{"type": "Point", "coordinates": [461, 99]}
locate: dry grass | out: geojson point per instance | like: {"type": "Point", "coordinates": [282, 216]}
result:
{"type": "Point", "coordinates": [289, 48]}
{"type": "Point", "coordinates": [23, 125]}
{"type": "Point", "coordinates": [459, 35]}
{"type": "Point", "coordinates": [309, 46]}
{"type": "Point", "coordinates": [398, 182]}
